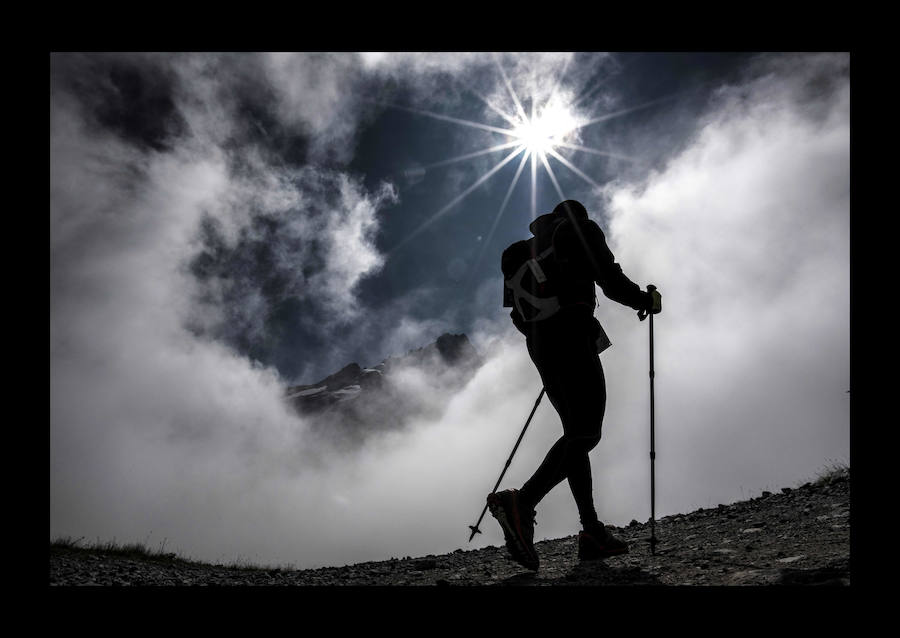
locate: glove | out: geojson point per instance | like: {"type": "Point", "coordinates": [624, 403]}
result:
{"type": "Point", "coordinates": [654, 303]}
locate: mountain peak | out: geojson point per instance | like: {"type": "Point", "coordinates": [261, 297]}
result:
{"type": "Point", "coordinates": [356, 401]}
{"type": "Point", "coordinates": [455, 348]}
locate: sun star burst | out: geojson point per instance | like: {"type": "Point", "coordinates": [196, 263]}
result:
{"type": "Point", "coordinates": [538, 138]}
{"type": "Point", "coordinates": [543, 132]}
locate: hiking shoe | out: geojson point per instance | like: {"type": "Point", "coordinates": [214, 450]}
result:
{"type": "Point", "coordinates": [595, 543]}
{"type": "Point", "coordinates": [517, 525]}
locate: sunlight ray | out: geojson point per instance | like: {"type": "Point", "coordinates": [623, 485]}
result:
{"type": "Point", "coordinates": [459, 197]}
{"type": "Point", "coordinates": [590, 92]}
{"type": "Point", "coordinates": [586, 94]}
{"type": "Point", "coordinates": [573, 168]}
{"type": "Point", "coordinates": [460, 158]}
{"type": "Point", "coordinates": [496, 223]}
{"type": "Point", "coordinates": [533, 186]}
{"type": "Point", "coordinates": [511, 91]}
{"type": "Point", "coordinates": [552, 177]}
{"type": "Point", "coordinates": [512, 185]}
{"type": "Point", "coordinates": [456, 120]}
{"type": "Point", "coordinates": [594, 151]}
{"type": "Point", "coordinates": [557, 84]}
{"type": "Point", "coordinates": [618, 70]}
{"type": "Point", "coordinates": [631, 109]}
{"type": "Point", "coordinates": [506, 116]}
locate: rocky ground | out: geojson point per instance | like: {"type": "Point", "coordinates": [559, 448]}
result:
{"type": "Point", "coordinates": [799, 536]}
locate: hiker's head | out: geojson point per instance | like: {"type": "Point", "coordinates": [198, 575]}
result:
{"type": "Point", "coordinates": [571, 209]}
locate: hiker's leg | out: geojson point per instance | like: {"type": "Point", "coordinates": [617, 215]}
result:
{"type": "Point", "coordinates": [549, 474]}
{"type": "Point", "coordinates": [575, 385]}
{"type": "Point", "coordinates": [583, 424]}
{"type": "Point", "coordinates": [567, 459]}
{"type": "Point", "coordinates": [552, 469]}
{"type": "Point", "coordinates": [578, 471]}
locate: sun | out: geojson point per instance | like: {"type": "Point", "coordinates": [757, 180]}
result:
{"type": "Point", "coordinates": [542, 132]}
{"type": "Point", "coordinates": [551, 129]}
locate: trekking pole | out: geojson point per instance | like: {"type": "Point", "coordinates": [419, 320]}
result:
{"type": "Point", "coordinates": [653, 540]}
{"type": "Point", "coordinates": [474, 527]}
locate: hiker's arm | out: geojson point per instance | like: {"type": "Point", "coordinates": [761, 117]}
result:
{"type": "Point", "coordinates": [608, 274]}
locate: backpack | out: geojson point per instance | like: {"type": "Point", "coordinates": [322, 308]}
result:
{"type": "Point", "coordinates": [530, 277]}
{"type": "Point", "coordinates": [533, 280]}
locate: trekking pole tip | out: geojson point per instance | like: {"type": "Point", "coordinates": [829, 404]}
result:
{"type": "Point", "coordinates": [475, 530]}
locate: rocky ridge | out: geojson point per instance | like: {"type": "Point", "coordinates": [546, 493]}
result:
{"type": "Point", "coordinates": [355, 401]}
{"type": "Point", "coordinates": [799, 536]}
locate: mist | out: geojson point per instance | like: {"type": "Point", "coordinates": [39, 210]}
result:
{"type": "Point", "coordinates": [163, 428]}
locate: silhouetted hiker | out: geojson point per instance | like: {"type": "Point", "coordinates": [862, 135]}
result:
{"type": "Point", "coordinates": [549, 283]}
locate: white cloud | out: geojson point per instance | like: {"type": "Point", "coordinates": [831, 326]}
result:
{"type": "Point", "coordinates": [349, 237]}
{"type": "Point", "coordinates": [316, 93]}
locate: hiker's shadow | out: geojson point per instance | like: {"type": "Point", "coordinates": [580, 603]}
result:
{"type": "Point", "coordinates": [598, 572]}
{"type": "Point", "coordinates": [522, 578]}
{"type": "Point", "coordinates": [586, 573]}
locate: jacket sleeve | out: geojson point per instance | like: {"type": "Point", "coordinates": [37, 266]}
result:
{"type": "Point", "coordinates": [588, 248]}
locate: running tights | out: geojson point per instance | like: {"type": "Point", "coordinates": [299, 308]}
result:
{"type": "Point", "coordinates": [573, 379]}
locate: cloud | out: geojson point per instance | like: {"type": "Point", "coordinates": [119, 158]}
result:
{"type": "Point", "coordinates": [318, 94]}
{"type": "Point", "coordinates": [309, 239]}
{"type": "Point", "coordinates": [351, 252]}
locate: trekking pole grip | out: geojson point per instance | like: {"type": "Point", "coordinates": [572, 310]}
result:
{"type": "Point", "coordinates": [642, 314]}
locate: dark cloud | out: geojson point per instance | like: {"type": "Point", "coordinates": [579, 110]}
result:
{"type": "Point", "coordinates": [132, 96]}
{"type": "Point", "coordinates": [289, 277]}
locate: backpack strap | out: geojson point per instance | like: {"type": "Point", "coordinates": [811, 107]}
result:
{"type": "Point", "coordinates": [545, 306]}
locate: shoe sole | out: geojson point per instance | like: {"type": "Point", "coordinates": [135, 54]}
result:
{"type": "Point", "coordinates": [509, 532]}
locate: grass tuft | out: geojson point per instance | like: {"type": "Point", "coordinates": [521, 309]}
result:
{"type": "Point", "coordinates": [129, 550]}
{"type": "Point", "coordinates": [834, 470]}
{"type": "Point", "coordinates": [141, 551]}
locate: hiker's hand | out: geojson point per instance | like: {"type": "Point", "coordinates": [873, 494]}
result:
{"type": "Point", "coordinates": [654, 303]}
{"type": "Point", "coordinates": [655, 300]}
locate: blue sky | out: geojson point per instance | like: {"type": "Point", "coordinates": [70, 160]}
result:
{"type": "Point", "coordinates": [223, 225]}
